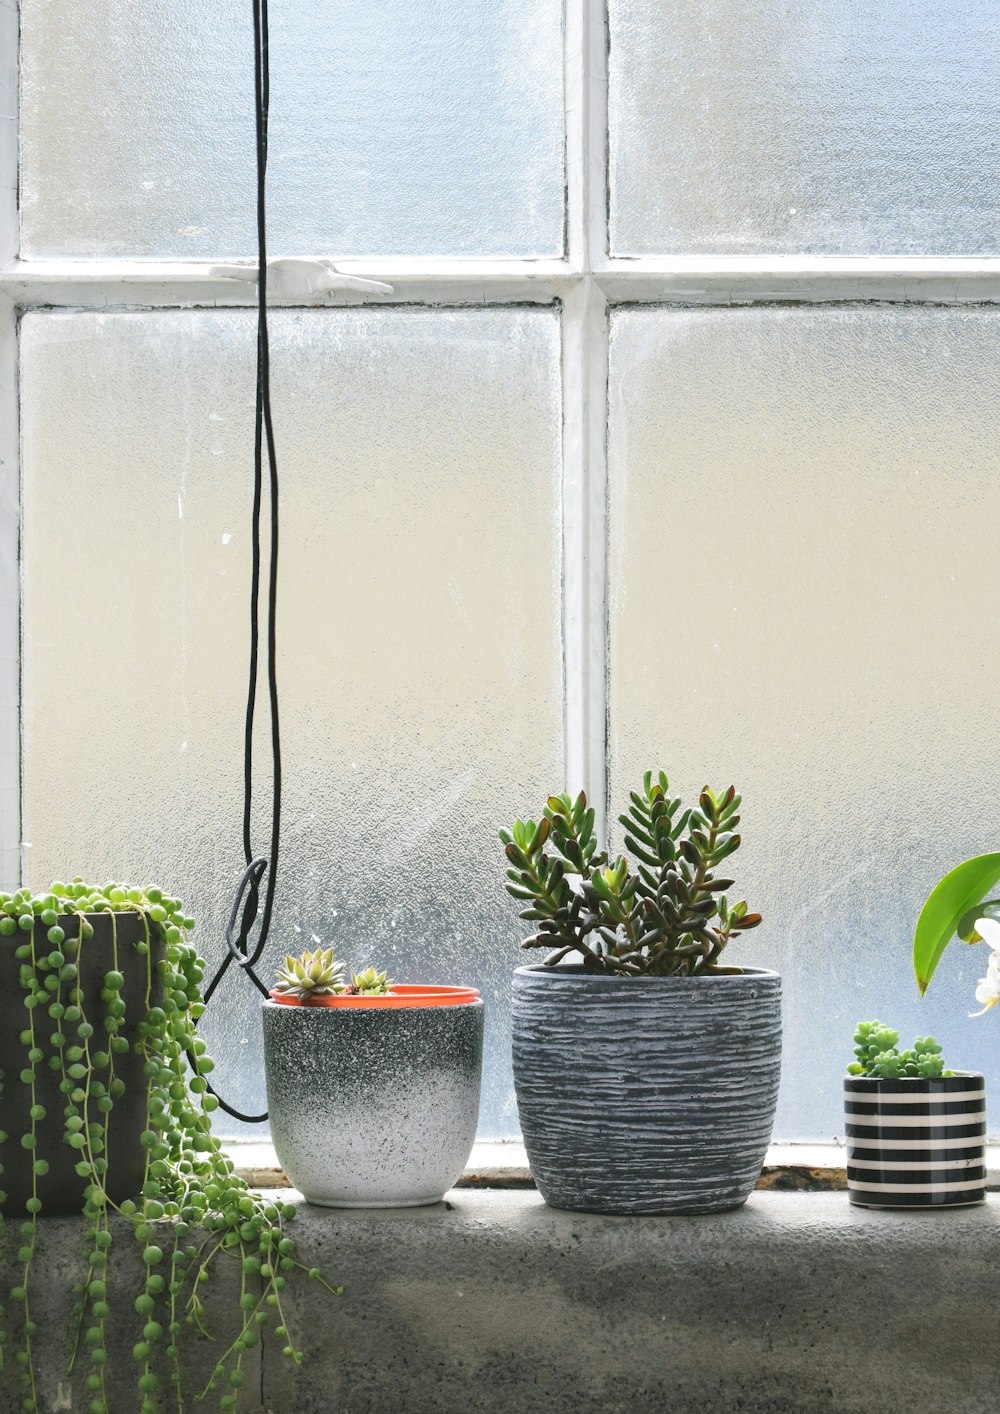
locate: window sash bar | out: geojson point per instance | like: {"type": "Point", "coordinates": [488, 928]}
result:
{"type": "Point", "coordinates": [683, 280]}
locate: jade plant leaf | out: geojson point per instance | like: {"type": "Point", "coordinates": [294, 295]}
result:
{"type": "Point", "coordinates": [949, 902]}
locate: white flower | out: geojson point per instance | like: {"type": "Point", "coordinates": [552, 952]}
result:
{"type": "Point", "coordinates": [988, 987]}
{"type": "Point", "coordinates": [989, 930]}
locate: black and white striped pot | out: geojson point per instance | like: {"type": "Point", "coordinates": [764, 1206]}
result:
{"type": "Point", "coordinates": [916, 1143]}
{"type": "Point", "coordinates": [646, 1094]}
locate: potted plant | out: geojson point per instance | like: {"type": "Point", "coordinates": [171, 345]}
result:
{"type": "Point", "coordinates": [647, 1071]}
{"type": "Point", "coordinates": [372, 1086]}
{"type": "Point", "coordinates": [916, 1133]}
{"type": "Point", "coordinates": [105, 1109]}
{"type": "Point", "coordinates": [958, 910]}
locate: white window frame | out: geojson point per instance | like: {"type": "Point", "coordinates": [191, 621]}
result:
{"type": "Point", "coordinates": [586, 285]}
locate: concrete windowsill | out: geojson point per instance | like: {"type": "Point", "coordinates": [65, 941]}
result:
{"type": "Point", "coordinates": [493, 1303]}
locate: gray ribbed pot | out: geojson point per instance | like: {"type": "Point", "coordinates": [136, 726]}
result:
{"type": "Point", "coordinates": [646, 1094]}
{"type": "Point", "coordinates": [373, 1107]}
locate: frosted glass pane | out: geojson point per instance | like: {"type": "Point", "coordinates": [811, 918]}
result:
{"type": "Point", "coordinates": [420, 668]}
{"type": "Point", "coordinates": [827, 126]}
{"type": "Point", "coordinates": [396, 129]}
{"type": "Point", "coordinates": [803, 602]}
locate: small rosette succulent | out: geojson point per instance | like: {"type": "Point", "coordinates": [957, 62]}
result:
{"type": "Point", "coordinates": [312, 974]}
{"type": "Point", "coordinates": [369, 983]}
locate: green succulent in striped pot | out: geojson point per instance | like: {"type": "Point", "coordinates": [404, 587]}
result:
{"type": "Point", "coordinates": [312, 974]}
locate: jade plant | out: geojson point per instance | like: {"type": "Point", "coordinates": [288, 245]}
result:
{"type": "Point", "coordinates": [320, 974]}
{"type": "Point", "coordinates": [665, 915]}
{"type": "Point", "coordinates": [193, 1211]}
{"type": "Point", "coordinates": [879, 1057]}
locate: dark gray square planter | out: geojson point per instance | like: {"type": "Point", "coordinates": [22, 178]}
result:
{"type": "Point", "coordinates": [61, 1189]}
{"type": "Point", "coordinates": [646, 1094]}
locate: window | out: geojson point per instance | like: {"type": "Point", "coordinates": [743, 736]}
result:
{"type": "Point", "coordinates": [673, 446]}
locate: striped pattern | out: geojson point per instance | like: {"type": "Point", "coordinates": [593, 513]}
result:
{"type": "Point", "coordinates": [646, 1095]}
{"type": "Point", "coordinates": [916, 1143]}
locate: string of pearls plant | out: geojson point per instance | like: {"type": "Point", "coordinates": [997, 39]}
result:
{"type": "Point", "coordinates": [193, 1211]}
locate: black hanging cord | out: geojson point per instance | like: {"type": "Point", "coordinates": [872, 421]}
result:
{"type": "Point", "coordinates": [238, 948]}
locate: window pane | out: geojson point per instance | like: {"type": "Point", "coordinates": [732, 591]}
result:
{"type": "Point", "coordinates": [809, 126]}
{"type": "Point", "coordinates": [420, 669]}
{"type": "Point", "coordinates": [396, 129]}
{"type": "Point", "coordinates": [803, 602]}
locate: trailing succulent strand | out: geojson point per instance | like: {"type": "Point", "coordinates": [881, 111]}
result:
{"type": "Point", "coordinates": [878, 1055]}
{"type": "Point", "coordinates": [193, 1211]}
{"type": "Point", "coordinates": [668, 916]}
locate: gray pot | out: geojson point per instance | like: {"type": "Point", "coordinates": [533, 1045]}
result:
{"type": "Point", "coordinates": [373, 1107]}
{"type": "Point", "coordinates": [646, 1094]}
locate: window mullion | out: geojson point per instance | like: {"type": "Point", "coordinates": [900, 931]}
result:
{"type": "Point", "coordinates": [585, 406]}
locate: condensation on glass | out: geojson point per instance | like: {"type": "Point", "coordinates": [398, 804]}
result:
{"type": "Point", "coordinates": [803, 602]}
{"type": "Point", "coordinates": [396, 129]}
{"type": "Point", "coordinates": [810, 126]}
{"type": "Point", "coordinates": [419, 651]}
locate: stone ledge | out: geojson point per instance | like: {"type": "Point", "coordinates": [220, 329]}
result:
{"type": "Point", "coordinates": [795, 1304]}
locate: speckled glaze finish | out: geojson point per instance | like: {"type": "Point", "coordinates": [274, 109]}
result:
{"type": "Point", "coordinates": [646, 1095]}
{"type": "Point", "coordinates": [373, 1108]}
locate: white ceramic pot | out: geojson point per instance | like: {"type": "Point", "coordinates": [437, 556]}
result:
{"type": "Point", "coordinates": [373, 1107]}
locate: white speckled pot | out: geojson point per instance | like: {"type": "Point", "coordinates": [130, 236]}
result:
{"type": "Point", "coordinates": [646, 1094]}
{"type": "Point", "coordinates": [373, 1108]}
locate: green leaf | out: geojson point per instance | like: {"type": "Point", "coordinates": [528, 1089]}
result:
{"type": "Point", "coordinates": [640, 853]}
{"type": "Point", "coordinates": [940, 916]}
{"type": "Point", "coordinates": [966, 929]}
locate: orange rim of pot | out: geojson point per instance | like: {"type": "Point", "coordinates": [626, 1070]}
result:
{"type": "Point", "coordinates": [402, 995]}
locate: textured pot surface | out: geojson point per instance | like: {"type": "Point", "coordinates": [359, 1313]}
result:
{"type": "Point", "coordinates": [646, 1095]}
{"type": "Point", "coordinates": [916, 1143]}
{"type": "Point", "coordinates": [61, 1189]}
{"type": "Point", "coordinates": [373, 1107]}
